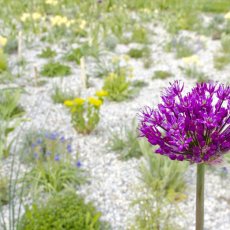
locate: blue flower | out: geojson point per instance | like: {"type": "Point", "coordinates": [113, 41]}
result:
{"type": "Point", "coordinates": [78, 164]}
{"type": "Point", "coordinates": [48, 153]}
{"type": "Point", "coordinates": [57, 158]}
{"type": "Point", "coordinates": [39, 141]}
{"type": "Point", "coordinates": [36, 155]}
{"type": "Point", "coordinates": [69, 148]}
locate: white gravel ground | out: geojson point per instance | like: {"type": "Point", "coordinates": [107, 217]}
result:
{"type": "Point", "coordinates": [112, 182]}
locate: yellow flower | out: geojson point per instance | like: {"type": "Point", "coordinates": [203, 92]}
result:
{"type": "Point", "coordinates": [82, 24]}
{"type": "Point", "coordinates": [3, 41]}
{"type": "Point", "coordinates": [24, 17]}
{"type": "Point", "coordinates": [102, 93]}
{"type": "Point", "coordinates": [79, 101]}
{"type": "Point", "coordinates": [227, 16]}
{"type": "Point", "coordinates": [69, 103]}
{"type": "Point", "coordinates": [94, 101]}
{"type": "Point", "coordinates": [126, 57]}
{"type": "Point", "coordinates": [52, 2]}
{"type": "Point", "coordinates": [36, 16]}
{"type": "Point", "coordinates": [192, 60]}
{"type": "Point", "coordinates": [60, 21]}
{"type": "Point", "coordinates": [115, 59]}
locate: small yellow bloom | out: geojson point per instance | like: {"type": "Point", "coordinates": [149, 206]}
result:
{"type": "Point", "coordinates": [52, 2]}
{"type": "Point", "coordinates": [192, 60]}
{"type": "Point", "coordinates": [25, 17]}
{"type": "Point", "coordinates": [227, 16]}
{"type": "Point", "coordinates": [102, 93]}
{"type": "Point", "coordinates": [36, 16]}
{"type": "Point", "coordinates": [3, 41]}
{"type": "Point", "coordinates": [115, 59]}
{"type": "Point", "coordinates": [81, 24]}
{"type": "Point", "coordinates": [60, 21]}
{"type": "Point", "coordinates": [94, 101]}
{"type": "Point", "coordinates": [126, 57]}
{"type": "Point", "coordinates": [79, 101]}
{"type": "Point", "coordinates": [69, 103]}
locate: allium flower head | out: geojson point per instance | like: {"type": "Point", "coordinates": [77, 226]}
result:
{"type": "Point", "coordinates": [193, 126]}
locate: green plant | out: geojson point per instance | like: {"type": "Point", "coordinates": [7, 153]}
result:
{"type": "Point", "coordinates": [53, 69]}
{"type": "Point", "coordinates": [65, 211]}
{"type": "Point", "coordinates": [59, 95]}
{"type": "Point", "coordinates": [139, 53]}
{"type": "Point", "coordinates": [75, 55]}
{"type": "Point", "coordinates": [221, 60]}
{"type": "Point", "coordinates": [139, 35]}
{"type": "Point", "coordinates": [9, 103]}
{"type": "Point", "coordinates": [85, 115]}
{"type": "Point", "coordinates": [3, 62]}
{"type": "Point", "coordinates": [111, 42]}
{"type": "Point", "coordinates": [6, 77]}
{"type": "Point", "coordinates": [225, 43]}
{"type": "Point", "coordinates": [194, 73]}
{"type": "Point", "coordinates": [4, 190]}
{"type": "Point", "coordinates": [53, 176]}
{"type": "Point", "coordinates": [47, 53]}
{"type": "Point", "coordinates": [42, 145]}
{"type": "Point", "coordinates": [161, 74]}
{"type": "Point", "coordinates": [125, 143]}
{"type": "Point", "coordinates": [10, 112]}
{"type": "Point", "coordinates": [215, 6]}
{"type": "Point", "coordinates": [11, 46]}
{"type": "Point", "coordinates": [163, 181]}
{"type": "Point", "coordinates": [117, 64]}
{"type": "Point", "coordinates": [180, 47]}
{"type": "Point", "coordinates": [118, 87]}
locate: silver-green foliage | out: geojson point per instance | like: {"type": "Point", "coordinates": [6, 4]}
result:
{"type": "Point", "coordinates": [163, 186]}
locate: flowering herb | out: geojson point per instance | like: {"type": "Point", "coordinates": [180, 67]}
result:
{"type": "Point", "coordinates": [46, 146]}
{"type": "Point", "coordinates": [85, 113]}
{"type": "Point", "coordinates": [194, 126]}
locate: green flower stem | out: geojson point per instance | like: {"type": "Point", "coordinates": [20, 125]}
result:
{"type": "Point", "coordinates": [200, 197]}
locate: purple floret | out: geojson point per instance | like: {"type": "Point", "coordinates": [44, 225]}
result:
{"type": "Point", "coordinates": [193, 126]}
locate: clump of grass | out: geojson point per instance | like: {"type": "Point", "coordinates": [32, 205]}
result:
{"type": "Point", "coordinates": [4, 190]}
{"type": "Point", "coordinates": [3, 62]}
{"type": "Point", "coordinates": [125, 143]}
{"type": "Point", "coordinates": [75, 55]}
{"type": "Point", "coordinates": [161, 74]}
{"type": "Point", "coordinates": [47, 53]}
{"type": "Point", "coordinates": [139, 35]}
{"type": "Point", "coordinates": [59, 95]}
{"type": "Point", "coordinates": [111, 42]}
{"type": "Point", "coordinates": [225, 43]}
{"type": "Point", "coordinates": [221, 61]}
{"type": "Point", "coordinates": [11, 46]}
{"type": "Point", "coordinates": [55, 69]}
{"type": "Point", "coordinates": [215, 6]}
{"type": "Point", "coordinates": [194, 73]}
{"type": "Point", "coordinates": [139, 53]}
{"type": "Point", "coordinates": [164, 186]}
{"type": "Point", "coordinates": [180, 47]}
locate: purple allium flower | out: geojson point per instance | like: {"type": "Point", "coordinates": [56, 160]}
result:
{"type": "Point", "coordinates": [193, 126]}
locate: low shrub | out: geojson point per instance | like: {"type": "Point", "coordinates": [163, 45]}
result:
{"type": "Point", "coordinates": [66, 211]}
